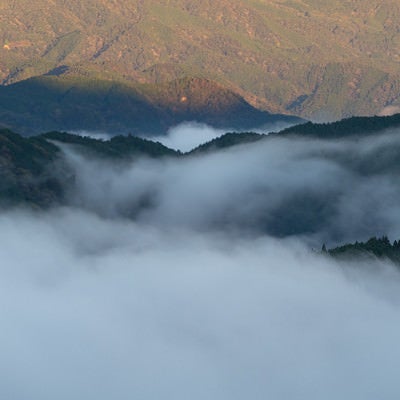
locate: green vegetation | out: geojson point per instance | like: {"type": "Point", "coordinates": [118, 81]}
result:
{"type": "Point", "coordinates": [349, 127]}
{"type": "Point", "coordinates": [380, 248]}
{"type": "Point", "coordinates": [228, 140]}
{"type": "Point", "coordinates": [118, 147]}
{"type": "Point", "coordinates": [33, 171]}
{"type": "Point", "coordinates": [316, 59]}
{"type": "Point", "coordinates": [25, 173]}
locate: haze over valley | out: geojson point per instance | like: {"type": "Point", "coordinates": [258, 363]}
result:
{"type": "Point", "coordinates": [198, 200]}
{"type": "Point", "coordinates": [153, 259]}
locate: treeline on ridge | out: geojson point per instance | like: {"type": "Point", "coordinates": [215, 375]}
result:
{"type": "Point", "coordinates": [379, 247]}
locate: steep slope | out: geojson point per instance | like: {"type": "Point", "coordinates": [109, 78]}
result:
{"type": "Point", "coordinates": [72, 103]}
{"type": "Point", "coordinates": [25, 173]}
{"type": "Point", "coordinates": [312, 58]}
{"type": "Point", "coordinates": [34, 173]}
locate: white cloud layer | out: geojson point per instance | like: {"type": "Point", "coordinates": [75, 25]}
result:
{"type": "Point", "coordinates": [158, 282]}
{"type": "Point", "coordinates": [189, 135]}
{"type": "Point", "coordinates": [325, 191]}
{"type": "Point", "coordinates": [101, 309]}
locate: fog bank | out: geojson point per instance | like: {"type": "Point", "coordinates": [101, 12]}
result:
{"type": "Point", "coordinates": [321, 191]}
{"type": "Point", "coordinates": [99, 308]}
{"type": "Point", "coordinates": [189, 135]}
{"type": "Point", "coordinates": [194, 278]}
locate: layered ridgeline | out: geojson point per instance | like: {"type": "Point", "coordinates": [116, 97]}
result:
{"type": "Point", "coordinates": [295, 182]}
{"type": "Point", "coordinates": [315, 59]}
{"type": "Point", "coordinates": [75, 103]}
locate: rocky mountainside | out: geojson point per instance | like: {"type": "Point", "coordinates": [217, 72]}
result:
{"type": "Point", "coordinates": [312, 58]}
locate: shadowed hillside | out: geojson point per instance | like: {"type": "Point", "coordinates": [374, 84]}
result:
{"type": "Point", "coordinates": [73, 103]}
{"type": "Point", "coordinates": [34, 173]}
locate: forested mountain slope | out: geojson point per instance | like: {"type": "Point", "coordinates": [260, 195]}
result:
{"type": "Point", "coordinates": [74, 103]}
{"type": "Point", "coordinates": [33, 170]}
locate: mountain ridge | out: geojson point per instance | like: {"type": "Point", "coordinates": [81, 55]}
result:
{"type": "Point", "coordinates": [33, 172]}
{"type": "Point", "coordinates": [72, 103]}
{"type": "Point", "coordinates": [311, 58]}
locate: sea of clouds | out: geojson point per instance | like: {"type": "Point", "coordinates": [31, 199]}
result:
{"type": "Point", "coordinates": [164, 279]}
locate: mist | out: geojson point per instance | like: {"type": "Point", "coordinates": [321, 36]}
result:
{"type": "Point", "coordinates": [319, 190]}
{"type": "Point", "coordinates": [189, 135]}
{"type": "Point", "coordinates": [180, 278]}
{"type": "Point", "coordinates": [96, 308]}
{"type": "Point", "coordinates": [93, 134]}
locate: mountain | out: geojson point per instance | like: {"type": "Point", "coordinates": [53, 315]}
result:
{"type": "Point", "coordinates": [346, 128]}
{"type": "Point", "coordinates": [373, 248]}
{"type": "Point", "coordinates": [75, 103]}
{"type": "Point", "coordinates": [228, 140]}
{"type": "Point", "coordinates": [316, 59]}
{"type": "Point", "coordinates": [33, 171]}
{"type": "Point", "coordinates": [349, 128]}
{"type": "Point", "coordinates": [28, 173]}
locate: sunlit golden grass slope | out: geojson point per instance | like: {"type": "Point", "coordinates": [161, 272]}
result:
{"type": "Point", "coordinates": [313, 58]}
